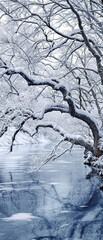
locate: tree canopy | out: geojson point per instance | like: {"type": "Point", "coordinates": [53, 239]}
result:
{"type": "Point", "coordinates": [51, 60]}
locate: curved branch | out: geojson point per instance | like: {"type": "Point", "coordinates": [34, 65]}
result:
{"type": "Point", "coordinates": [30, 79]}
{"type": "Point", "coordinates": [74, 112]}
{"type": "Point", "coordinates": [53, 107]}
{"type": "Point", "coordinates": [84, 116]}
{"type": "Point", "coordinates": [16, 132]}
{"type": "Point", "coordinates": [19, 129]}
{"type": "Point", "coordinates": [75, 139]}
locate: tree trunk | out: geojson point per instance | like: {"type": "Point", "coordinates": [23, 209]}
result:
{"type": "Point", "coordinates": [97, 151]}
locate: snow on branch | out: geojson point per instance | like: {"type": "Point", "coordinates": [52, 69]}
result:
{"type": "Point", "coordinates": [31, 81]}
{"type": "Point", "coordinates": [53, 107]}
{"type": "Point", "coordinates": [75, 139]}
{"type": "Point", "coordinates": [94, 49]}
{"type": "Point", "coordinates": [16, 132]}
{"type": "Point", "coordinates": [55, 85]}
{"type": "Point", "coordinates": [87, 118]}
{"type": "Point", "coordinates": [19, 129]}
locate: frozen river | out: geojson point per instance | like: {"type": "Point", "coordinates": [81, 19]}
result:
{"type": "Point", "coordinates": [57, 202]}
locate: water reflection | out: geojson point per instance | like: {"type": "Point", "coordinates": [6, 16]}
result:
{"type": "Point", "coordinates": [58, 202]}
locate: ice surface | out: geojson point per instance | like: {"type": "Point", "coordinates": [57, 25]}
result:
{"type": "Point", "coordinates": [20, 217]}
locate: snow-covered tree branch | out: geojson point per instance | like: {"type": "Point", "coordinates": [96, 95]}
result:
{"type": "Point", "coordinates": [52, 63]}
{"type": "Point", "coordinates": [75, 139]}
